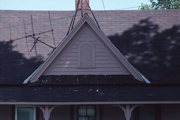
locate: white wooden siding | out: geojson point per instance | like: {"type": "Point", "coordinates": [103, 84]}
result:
{"type": "Point", "coordinates": [67, 62]}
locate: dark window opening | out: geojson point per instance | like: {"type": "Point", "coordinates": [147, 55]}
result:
{"type": "Point", "coordinates": [86, 113]}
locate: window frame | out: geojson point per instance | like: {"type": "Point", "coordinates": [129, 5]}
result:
{"type": "Point", "coordinates": [19, 106]}
{"type": "Point", "coordinates": [95, 112]}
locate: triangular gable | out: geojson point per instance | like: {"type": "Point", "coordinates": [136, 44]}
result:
{"type": "Point", "coordinates": [86, 54]}
{"type": "Point", "coordinates": [123, 67]}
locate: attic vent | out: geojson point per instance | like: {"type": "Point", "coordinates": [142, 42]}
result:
{"type": "Point", "coordinates": [83, 4]}
{"type": "Point", "coordinates": [86, 58]}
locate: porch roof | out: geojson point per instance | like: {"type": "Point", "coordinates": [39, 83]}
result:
{"type": "Point", "coordinates": [89, 94]}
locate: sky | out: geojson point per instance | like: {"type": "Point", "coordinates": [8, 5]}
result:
{"type": "Point", "coordinates": [69, 4]}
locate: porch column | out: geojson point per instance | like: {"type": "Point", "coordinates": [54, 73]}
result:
{"type": "Point", "coordinates": [127, 109]}
{"type": "Point", "coordinates": [46, 110]}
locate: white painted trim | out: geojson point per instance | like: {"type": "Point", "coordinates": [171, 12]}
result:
{"type": "Point", "coordinates": [46, 110]}
{"type": "Point", "coordinates": [25, 106]}
{"type": "Point", "coordinates": [90, 103]}
{"type": "Point", "coordinates": [128, 109]}
{"type": "Point", "coordinates": [27, 79]}
{"type": "Point", "coordinates": [145, 79]}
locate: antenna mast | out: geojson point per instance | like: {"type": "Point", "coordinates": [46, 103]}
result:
{"type": "Point", "coordinates": [10, 32]}
{"type": "Point", "coordinates": [83, 6]}
{"type": "Point", "coordinates": [52, 30]}
{"type": "Point", "coordinates": [25, 32]}
{"type": "Point", "coordinates": [33, 36]}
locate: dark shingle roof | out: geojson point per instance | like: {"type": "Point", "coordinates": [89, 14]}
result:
{"type": "Point", "coordinates": [121, 24]}
{"type": "Point", "coordinates": [111, 22]}
{"type": "Point", "coordinates": [125, 25]}
{"type": "Point", "coordinates": [60, 94]}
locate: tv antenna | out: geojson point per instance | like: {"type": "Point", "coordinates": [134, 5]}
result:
{"type": "Point", "coordinates": [25, 32]}
{"type": "Point", "coordinates": [52, 30]}
{"type": "Point", "coordinates": [10, 32]}
{"type": "Point", "coordinates": [36, 36]}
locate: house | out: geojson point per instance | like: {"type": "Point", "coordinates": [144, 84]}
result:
{"type": "Point", "coordinates": [87, 78]}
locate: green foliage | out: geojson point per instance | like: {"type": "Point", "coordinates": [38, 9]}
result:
{"type": "Point", "coordinates": [161, 4]}
{"type": "Point", "coordinates": [145, 7]}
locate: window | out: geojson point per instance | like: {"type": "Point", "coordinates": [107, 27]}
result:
{"type": "Point", "coordinates": [86, 113]}
{"type": "Point", "coordinates": [25, 113]}
{"type": "Point", "coordinates": [86, 58]}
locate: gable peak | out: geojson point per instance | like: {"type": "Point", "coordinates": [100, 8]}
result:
{"type": "Point", "coordinates": [84, 13]}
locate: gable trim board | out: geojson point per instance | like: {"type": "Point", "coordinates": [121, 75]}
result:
{"type": "Point", "coordinates": [86, 20]}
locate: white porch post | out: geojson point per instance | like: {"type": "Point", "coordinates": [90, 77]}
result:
{"type": "Point", "coordinates": [46, 111]}
{"type": "Point", "coordinates": [127, 109]}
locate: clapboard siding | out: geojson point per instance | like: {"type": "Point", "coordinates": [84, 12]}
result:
{"type": "Point", "coordinates": [85, 70]}
{"type": "Point", "coordinates": [67, 62]}
{"type": "Point", "coordinates": [85, 73]}
{"type": "Point", "coordinates": [75, 67]}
